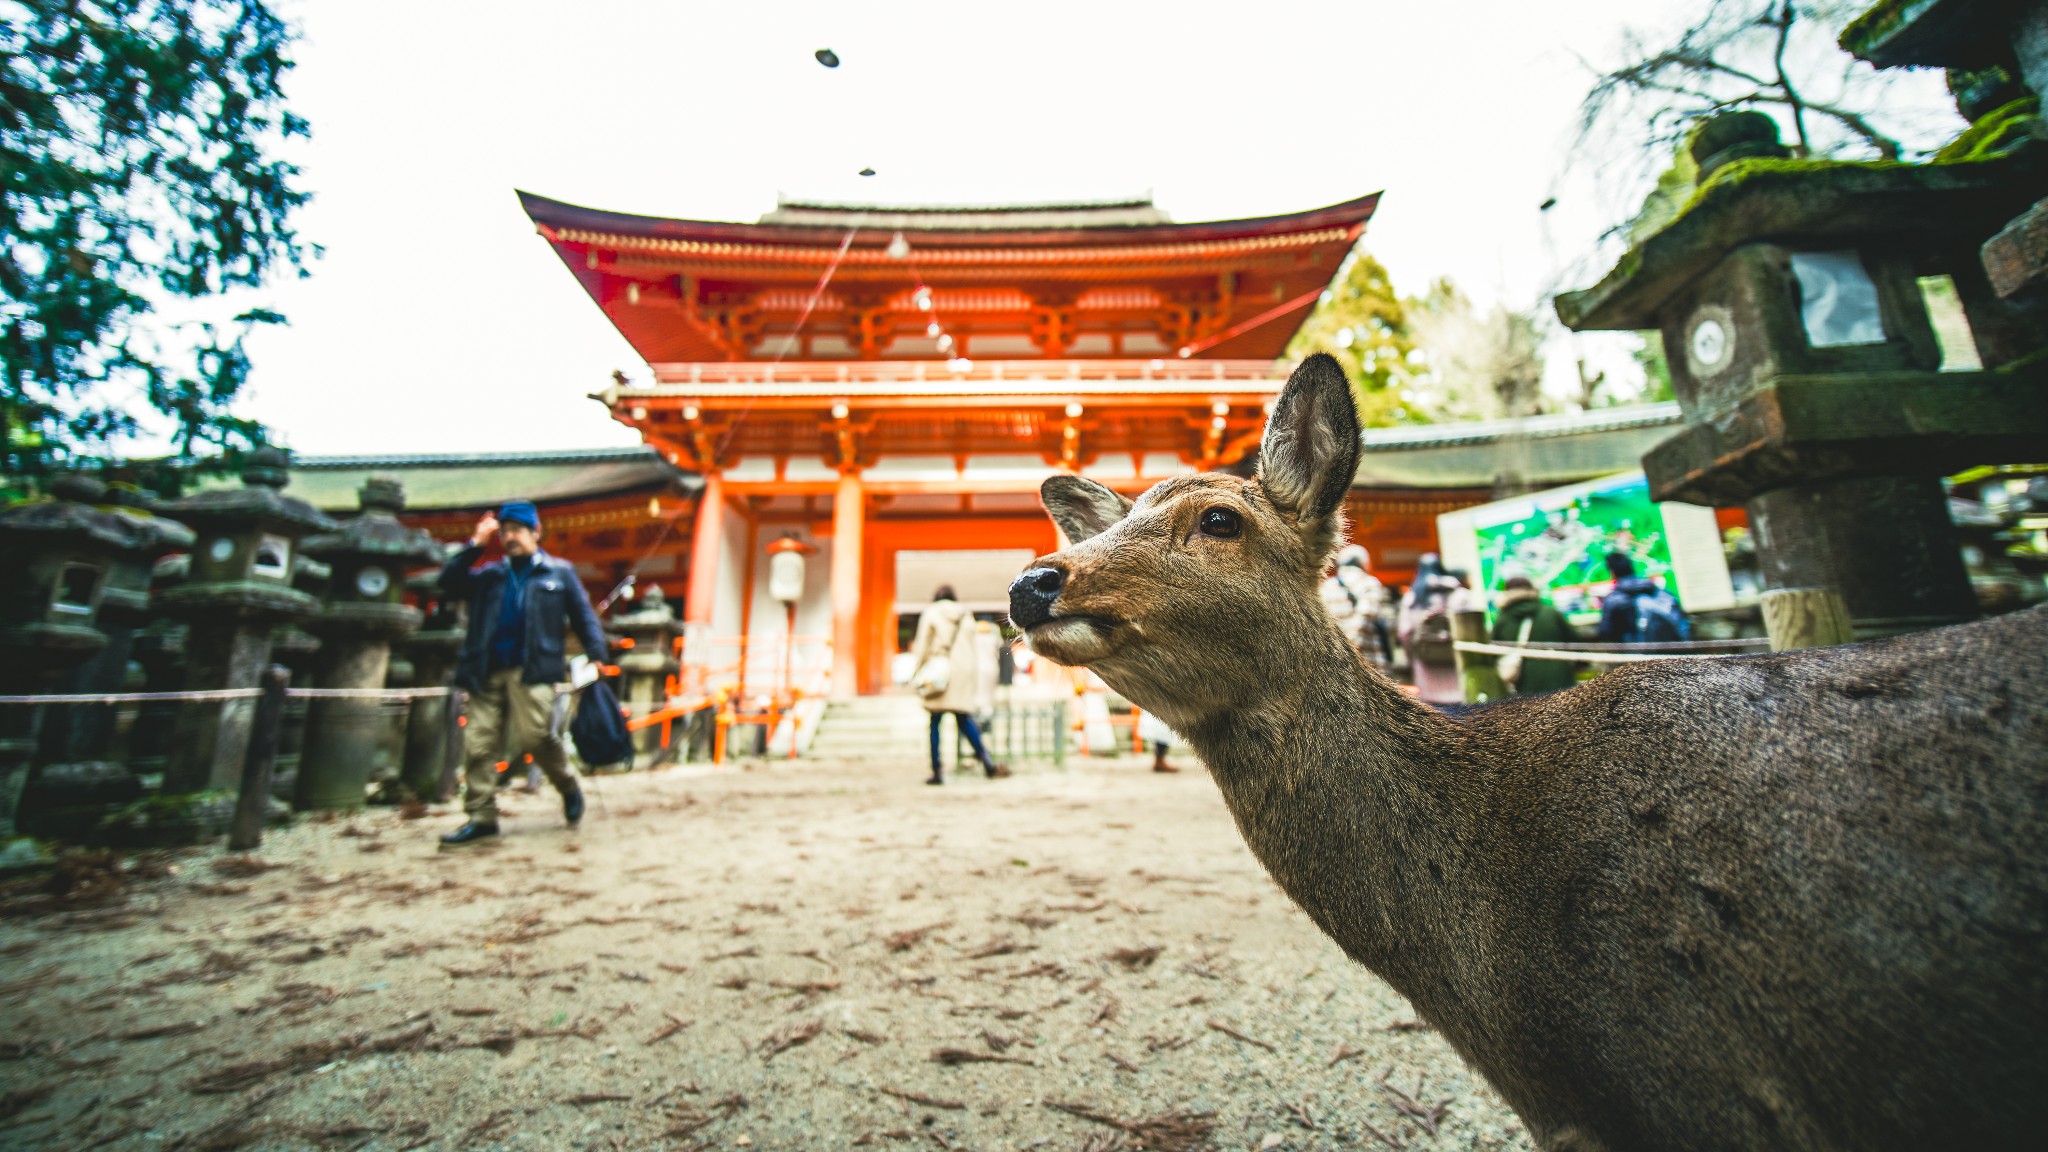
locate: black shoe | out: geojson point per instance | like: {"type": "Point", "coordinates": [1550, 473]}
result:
{"type": "Point", "coordinates": [996, 771]}
{"type": "Point", "coordinates": [572, 806]}
{"type": "Point", "coordinates": [469, 833]}
{"type": "Point", "coordinates": [936, 779]}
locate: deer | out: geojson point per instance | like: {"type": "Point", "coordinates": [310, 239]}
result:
{"type": "Point", "coordinates": [1784, 901]}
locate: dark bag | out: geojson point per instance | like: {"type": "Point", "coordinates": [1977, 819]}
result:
{"type": "Point", "coordinates": [1659, 620]}
{"type": "Point", "coordinates": [599, 729]}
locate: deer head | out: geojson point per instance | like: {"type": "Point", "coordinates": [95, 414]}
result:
{"type": "Point", "coordinates": [1177, 600]}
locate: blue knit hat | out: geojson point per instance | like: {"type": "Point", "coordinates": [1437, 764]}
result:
{"type": "Point", "coordinates": [520, 512]}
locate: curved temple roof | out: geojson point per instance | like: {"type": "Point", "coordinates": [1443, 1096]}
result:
{"type": "Point", "coordinates": [1110, 280]}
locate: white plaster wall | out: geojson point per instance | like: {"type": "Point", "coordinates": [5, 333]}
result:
{"type": "Point", "coordinates": [725, 608]}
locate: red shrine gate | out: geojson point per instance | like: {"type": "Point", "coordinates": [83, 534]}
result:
{"type": "Point", "coordinates": [880, 380]}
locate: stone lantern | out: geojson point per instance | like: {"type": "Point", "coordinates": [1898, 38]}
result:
{"type": "Point", "coordinates": [79, 774]}
{"type": "Point", "coordinates": [239, 589]}
{"type": "Point", "coordinates": [646, 656]}
{"type": "Point", "coordinates": [1807, 370]}
{"type": "Point", "coordinates": [58, 560]}
{"type": "Point", "coordinates": [85, 732]}
{"type": "Point", "coordinates": [430, 745]}
{"type": "Point", "coordinates": [365, 613]}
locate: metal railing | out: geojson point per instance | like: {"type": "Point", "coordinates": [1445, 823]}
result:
{"type": "Point", "coordinates": [1016, 732]}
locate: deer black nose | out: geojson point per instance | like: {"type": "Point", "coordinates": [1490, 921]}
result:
{"type": "Point", "coordinates": [1032, 594]}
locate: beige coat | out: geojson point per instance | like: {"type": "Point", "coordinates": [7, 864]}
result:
{"type": "Point", "coordinates": [947, 623]}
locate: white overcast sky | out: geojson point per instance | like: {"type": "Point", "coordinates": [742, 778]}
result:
{"type": "Point", "coordinates": [438, 321]}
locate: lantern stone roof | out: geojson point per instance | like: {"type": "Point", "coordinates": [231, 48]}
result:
{"type": "Point", "coordinates": [257, 501]}
{"type": "Point", "coordinates": [377, 531]}
{"type": "Point", "coordinates": [1930, 33]}
{"type": "Point", "coordinates": [1808, 201]}
{"type": "Point", "coordinates": [114, 529]}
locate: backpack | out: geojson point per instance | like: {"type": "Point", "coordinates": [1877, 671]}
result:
{"type": "Point", "coordinates": [599, 729]}
{"type": "Point", "coordinates": [1433, 635]}
{"type": "Point", "coordinates": [1659, 620]}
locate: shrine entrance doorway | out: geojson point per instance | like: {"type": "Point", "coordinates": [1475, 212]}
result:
{"type": "Point", "coordinates": [905, 560]}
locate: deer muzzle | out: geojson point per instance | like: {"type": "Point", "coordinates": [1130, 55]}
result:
{"type": "Point", "coordinates": [1032, 596]}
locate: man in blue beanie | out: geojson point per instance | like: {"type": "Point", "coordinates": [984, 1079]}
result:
{"type": "Point", "coordinates": [520, 611]}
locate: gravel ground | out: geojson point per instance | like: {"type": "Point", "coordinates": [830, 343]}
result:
{"type": "Point", "coordinates": [809, 955]}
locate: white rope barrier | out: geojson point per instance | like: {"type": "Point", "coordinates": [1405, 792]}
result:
{"type": "Point", "coordinates": [366, 693]}
{"type": "Point", "coordinates": [1582, 655]}
{"type": "Point", "coordinates": [138, 697]}
{"type": "Point", "coordinates": [225, 694]}
{"type": "Point", "coordinates": [1652, 646]}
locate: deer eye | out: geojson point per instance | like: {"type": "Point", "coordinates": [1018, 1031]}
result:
{"type": "Point", "coordinates": [1221, 523]}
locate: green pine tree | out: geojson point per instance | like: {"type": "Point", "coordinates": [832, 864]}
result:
{"type": "Point", "coordinates": [138, 166]}
{"type": "Point", "coordinates": [1363, 323]}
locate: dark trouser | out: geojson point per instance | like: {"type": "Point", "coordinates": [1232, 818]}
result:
{"type": "Point", "coordinates": [968, 728]}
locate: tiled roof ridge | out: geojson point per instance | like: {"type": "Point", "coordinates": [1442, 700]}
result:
{"type": "Point", "coordinates": [467, 459]}
{"type": "Point", "coordinates": [1524, 428]}
{"type": "Point", "coordinates": [962, 209]}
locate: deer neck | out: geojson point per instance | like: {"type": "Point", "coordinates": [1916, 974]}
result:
{"type": "Point", "coordinates": [1347, 791]}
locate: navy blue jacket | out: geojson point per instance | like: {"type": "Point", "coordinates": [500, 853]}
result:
{"type": "Point", "coordinates": [555, 602]}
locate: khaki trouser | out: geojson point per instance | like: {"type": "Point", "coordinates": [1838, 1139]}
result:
{"type": "Point", "coordinates": [523, 709]}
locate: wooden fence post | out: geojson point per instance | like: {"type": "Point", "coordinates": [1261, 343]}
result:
{"type": "Point", "coordinates": [254, 802]}
{"type": "Point", "coordinates": [1476, 672]}
{"type": "Point", "coordinates": [1806, 618]}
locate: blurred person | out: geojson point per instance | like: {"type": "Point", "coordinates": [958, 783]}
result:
{"type": "Point", "coordinates": [1355, 598]}
{"type": "Point", "coordinates": [988, 663]}
{"type": "Point", "coordinates": [1153, 732]}
{"type": "Point", "coordinates": [1639, 610]}
{"type": "Point", "coordinates": [1524, 616]}
{"type": "Point", "coordinates": [947, 674]}
{"type": "Point", "coordinates": [1424, 629]}
{"type": "Point", "coordinates": [521, 609]}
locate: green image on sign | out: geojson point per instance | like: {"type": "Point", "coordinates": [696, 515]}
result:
{"type": "Point", "coordinates": [1560, 541]}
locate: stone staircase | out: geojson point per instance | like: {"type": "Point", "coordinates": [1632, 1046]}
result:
{"type": "Point", "coordinates": [874, 728]}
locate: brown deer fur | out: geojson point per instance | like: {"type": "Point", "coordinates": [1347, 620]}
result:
{"type": "Point", "coordinates": [1787, 901]}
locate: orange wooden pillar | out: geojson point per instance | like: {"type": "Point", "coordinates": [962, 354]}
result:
{"type": "Point", "coordinates": [848, 515]}
{"type": "Point", "coordinates": [704, 557]}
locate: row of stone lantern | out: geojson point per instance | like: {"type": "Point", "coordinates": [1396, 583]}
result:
{"type": "Point", "coordinates": [236, 578]}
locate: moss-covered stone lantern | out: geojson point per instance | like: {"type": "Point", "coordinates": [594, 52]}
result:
{"type": "Point", "coordinates": [1996, 55]}
{"type": "Point", "coordinates": [78, 775]}
{"type": "Point", "coordinates": [238, 589]}
{"type": "Point", "coordinates": [370, 557]}
{"type": "Point", "coordinates": [57, 562]}
{"type": "Point", "coordinates": [1787, 294]}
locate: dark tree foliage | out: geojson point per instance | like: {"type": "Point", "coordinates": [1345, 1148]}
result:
{"type": "Point", "coordinates": [138, 166]}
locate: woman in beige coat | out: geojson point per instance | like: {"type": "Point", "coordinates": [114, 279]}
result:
{"type": "Point", "coordinates": [948, 675]}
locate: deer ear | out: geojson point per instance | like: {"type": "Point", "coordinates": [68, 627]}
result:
{"type": "Point", "coordinates": [1310, 450]}
{"type": "Point", "coordinates": [1082, 508]}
